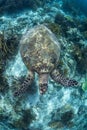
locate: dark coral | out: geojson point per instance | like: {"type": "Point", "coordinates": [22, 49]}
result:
{"type": "Point", "coordinates": [67, 117]}
{"type": "Point", "coordinates": [83, 27]}
{"type": "Point", "coordinates": [62, 117]}
{"type": "Point", "coordinates": [25, 120]}
{"type": "Point", "coordinates": [64, 22]}
{"type": "Point", "coordinates": [8, 48]}
{"type": "Point", "coordinates": [80, 55]}
{"type": "Point", "coordinates": [10, 6]}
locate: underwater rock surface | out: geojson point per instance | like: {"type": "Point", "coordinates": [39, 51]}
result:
{"type": "Point", "coordinates": [60, 108]}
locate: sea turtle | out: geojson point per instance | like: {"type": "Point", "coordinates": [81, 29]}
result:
{"type": "Point", "coordinates": [40, 51]}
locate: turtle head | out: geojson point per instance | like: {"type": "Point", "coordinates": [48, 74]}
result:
{"type": "Point", "coordinates": [43, 82]}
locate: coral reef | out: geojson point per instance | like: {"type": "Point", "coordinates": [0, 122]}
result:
{"type": "Point", "coordinates": [60, 108]}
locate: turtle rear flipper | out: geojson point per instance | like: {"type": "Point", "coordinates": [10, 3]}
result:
{"type": "Point", "coordinates": [25, 85]}
{"type": "Point", "coordinates": [59, 78]}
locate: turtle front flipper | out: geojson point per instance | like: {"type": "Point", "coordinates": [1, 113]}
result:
{"type": "Point", "coordinates": [25, 84]}
{"type": "Point", "coordinates": [59, 78]}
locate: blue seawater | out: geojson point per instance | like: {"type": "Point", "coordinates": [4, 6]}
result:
{"type": "Point", "coordinates": [80, 5]}
{"type": "Point", "coordinates": [60, 108]}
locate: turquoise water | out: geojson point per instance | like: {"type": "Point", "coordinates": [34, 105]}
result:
{"type": "Point", "coordinates": [60, 108]}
